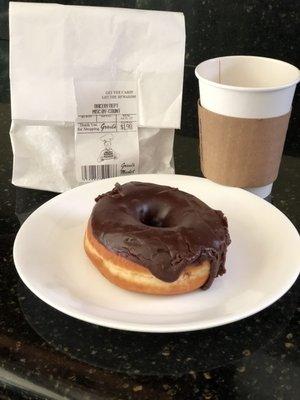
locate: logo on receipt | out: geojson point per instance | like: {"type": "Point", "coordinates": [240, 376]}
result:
{"type": "Point", "coordinates": [107, 153]}
{"type": "Point", "coordinates": [108, 127]}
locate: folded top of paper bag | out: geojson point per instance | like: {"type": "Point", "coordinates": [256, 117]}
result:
{"type": "Point", "coordinates": [52, 45]}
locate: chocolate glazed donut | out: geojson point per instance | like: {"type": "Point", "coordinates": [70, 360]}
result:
{"type": "Point", "coordinates": [161, 228]}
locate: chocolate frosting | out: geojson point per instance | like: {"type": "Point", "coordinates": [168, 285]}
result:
{"type": "Point", "coordinates": [161, 228]}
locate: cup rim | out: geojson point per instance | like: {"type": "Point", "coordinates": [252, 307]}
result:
{"type": "Point", "coordinates": [247, 88]}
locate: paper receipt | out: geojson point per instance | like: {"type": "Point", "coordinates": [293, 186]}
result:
{"type": "Point", "coordinates": [106, 129]}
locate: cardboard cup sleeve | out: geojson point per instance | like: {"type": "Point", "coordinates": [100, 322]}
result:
{"type": "Point", "coordinates": [242, 152]}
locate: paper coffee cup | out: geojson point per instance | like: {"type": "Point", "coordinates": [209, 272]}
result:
{"type": "Point", "coordinates": [245, 109]}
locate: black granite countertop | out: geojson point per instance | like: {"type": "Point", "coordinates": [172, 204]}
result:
{"type": "Point", "coordinates": [45, 354]}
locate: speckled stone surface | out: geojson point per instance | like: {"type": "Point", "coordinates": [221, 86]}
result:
{"type": "Point", "coordinates": [45, 354]}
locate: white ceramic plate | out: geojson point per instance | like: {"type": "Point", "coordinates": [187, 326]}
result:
{"type": "Point", "coordinates": [262, 264]}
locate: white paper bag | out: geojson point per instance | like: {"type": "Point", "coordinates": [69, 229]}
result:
{"type": "Point", "coordinates": [52, 45]}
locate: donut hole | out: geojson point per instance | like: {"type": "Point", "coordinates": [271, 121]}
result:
{"type": "Point", "coordinates": [153, 215]}
{"type": "Point", "coordinates": [152, 220]}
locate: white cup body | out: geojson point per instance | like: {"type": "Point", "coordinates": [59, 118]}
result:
{"type": "Point", "coordinates": [247, 87]}
{"type": "Point", "coordinates": [256, 104]}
